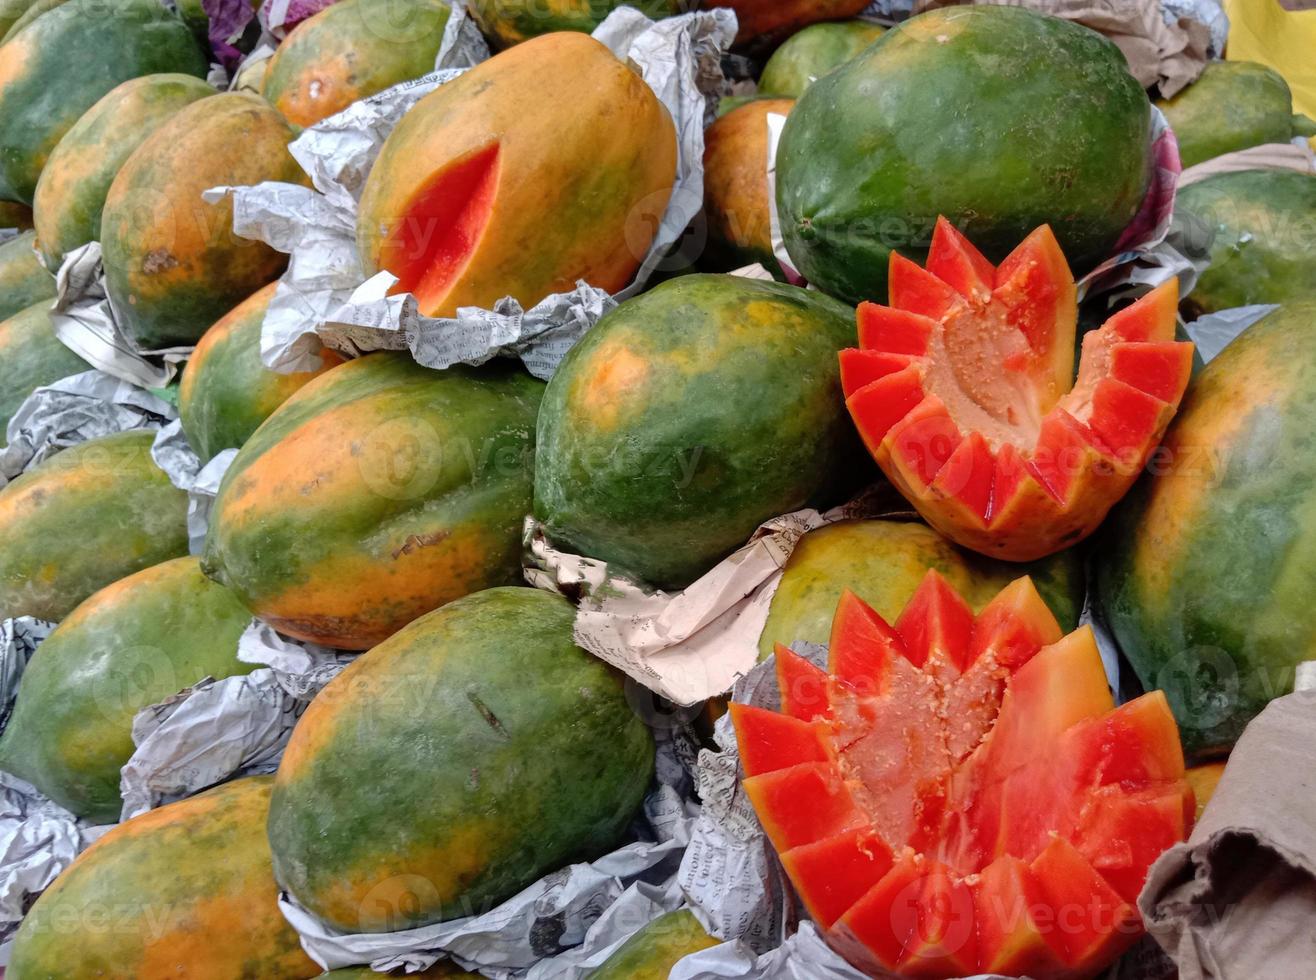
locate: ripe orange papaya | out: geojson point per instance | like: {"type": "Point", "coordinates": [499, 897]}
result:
{"type": "Point", "coordinates": [484, 191]}
{"type": "Point", "coordinates": [173, 265]}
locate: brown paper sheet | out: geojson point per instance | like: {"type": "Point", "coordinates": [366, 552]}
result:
{"type": "Point", "coordinates": [1267, 156]}
{"type": "Point", "coordinates": [1169, 56]}
{"type": "Point", "coordinates": [1238, 900]}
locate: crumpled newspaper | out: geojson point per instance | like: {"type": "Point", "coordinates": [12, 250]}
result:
{"type": "Point", "coordinates": [323, 295]}
{"type": "Point", "coordinates": [38, 837]}
{"type": "Point", "coordinates": [72, 410]}
{"type": "Point", "coordinates": [1213, 332]}
{"type": "Point", "coordinates": [19, 639]}
{"type": "Point", "coordinates": [85, 321]}
{"type": "Point", "coordinates": [38, 840]}
{"type": "Point", "coordinates": [175, 456]}
{"type": "Point", "coordinates": [691, 645]}
{"type": "Point", "coordinates": [730, 872]}
{"type": "Point", "coordinates": [553, 928]}
{"type": "Point", "coordinates": [216, 730]}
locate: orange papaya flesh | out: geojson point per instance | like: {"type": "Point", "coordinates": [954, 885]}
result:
{"type": "Point", "coordinates": [958, 794]}
{"type": "Point", "coordinates": [962, 390]}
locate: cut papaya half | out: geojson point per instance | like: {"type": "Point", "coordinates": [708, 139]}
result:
{"type": "Point", "coordinates": [963, 390]}
{"type": "Point", "coordinates": [958, 793]}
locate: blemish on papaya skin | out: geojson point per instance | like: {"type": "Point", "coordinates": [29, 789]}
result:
{"type": "Point", "coordinates": [415, 542]}
{"type": "Point", "coordinates": [158, 260]}
{"type": "Point", "coordinates": [489, 717]}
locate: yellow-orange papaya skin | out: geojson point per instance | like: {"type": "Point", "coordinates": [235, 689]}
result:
{"type": "Point", "coordinates": [173, 263]}
{"type": "Point", "coordinates": [485, 190]}
{"type": "Point", "coordinates": [186, 890]}
{"type": "Point", "coordinates": [736, 181]}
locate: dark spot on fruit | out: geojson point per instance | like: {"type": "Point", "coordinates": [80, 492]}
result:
{"type": "Point", "coordinates": [415, 542]}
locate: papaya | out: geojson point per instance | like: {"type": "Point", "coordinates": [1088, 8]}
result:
{"type": "Point", "coordinates": [71, 192]}
{"type": "Point", "coordinates": [964, 390]}
{"type": "Point", "coordinates": [1231, 106]}
{"type": "Point", "coordinates": [226, 391]}
{"type": "Point", "coordinates": [958, 795]}
{"type": "Point", "coordinates": [736, 204]}
{"type": "Point", "coordinates": [1205, 571]}
{"type": "Point", "coordinates": [173, 265]}
{"type": "Point", "coordinates": [85, 518]}
{"type": "Point", "coordinates": [883, 563]}
{"type": "Point", "coordinates": [1204, 780]}
{"type": "Point", "coordinates": [770, 20]}
{"type": "Point", "coordinates": [351, 50]}
{"type": "Point", "coordinates": [455, 763]}
{"type": "Point", "coordinates": [377, 492]}
{"type": "Point", "coordinates": [651, 953]}
{"type": "Point", "coordinates": [483, 191]}
{"type": "Point", "coordinates": [23, 279]}
{"type": "Point", "coordinates": [134, 643]}
{"type": "Point", "coordinates": [34, 11]}
{"type": "Point", "coordinates": [31, 356]}
{"type": "Point", "coordinates": [1257, 225]}
{"type": "Point", "coordinates": [11, 11]}
{"type": "Point", "coordinates": [998, 118]}
{"type": "Point", "coordinates": [508, 22]}
{"type": "Point", "coordinates": [689, 415]}
{"type": "Point", "coordinates": [59, 65]}
{"type": "Point", "coordinates": [812, 53]}
{"type": "Point", "coordinates": [185, 890]}
{"type": "Point", "coordinates": [15, 215]}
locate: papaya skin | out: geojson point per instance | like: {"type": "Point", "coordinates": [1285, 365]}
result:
{"type": "Point", "coordinates": [23, 280]}
{"type": "Point", "coordinates": [455, 206]}
{"type": "Point", "coordinates": [173, 264]}
{"type": "Point", "coordinates": [71, 192]}
{"type": "Point", "coordinates": [509, 22]}
{"type": "Point", "coordinates": [226, 391]}
{"type": "Point", "coordinates": [736, 201]}
{"type": "Point", "coordinates": [31, 356]}
{"type": "Point", "coordinates": [343, 541]}
{"type": "Point", "coordinates": [132, 644]}
{"type": "Point", "coordinates": [771, 20]}
{"type": "Point", "coordinates": [349, 51]}
{"type": "Point", "coordinates": [60, 64]}
{"type": "Point", "coordinates": [523, 755]}
{"type": "Point", "coordinates": [182, 890]}
{"type": "Point", "coordinates": [83, 519]}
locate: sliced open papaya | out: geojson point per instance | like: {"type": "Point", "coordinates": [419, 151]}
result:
{"type": "Point", "coordinates": [958, 794]}
{"type": "Point", "coordinates": [963, 391]}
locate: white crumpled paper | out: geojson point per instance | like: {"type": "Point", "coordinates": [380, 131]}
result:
{"type": "Point", "coordinates": [84, 320]}
{"type": "Point", "coordinates": [560, 925]}
{"type": "Point", "coordinates": [323, 296]}
{"type": "Point", "coordinates": [38, 840]}
{"type": "Point", "coordinates": [686, 646]}
{"type": "Point", "coordinates": [19, 639]}
{"type": "Point", "coordinates": [175, 456]}
{"type": "Point", "coordinates": [38, 837]}
{"type": "Point", "coordinates": [216, 730]}
{"type": "Point", "coordinates": [1213, 332]}
{"type": "Point", "coordinates": [73, 410]}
